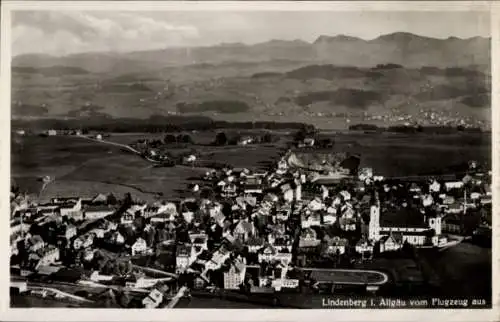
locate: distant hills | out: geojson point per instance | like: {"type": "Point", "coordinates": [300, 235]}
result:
{"type": "Point", "coordinates": [278, 80]}
{"type": "Point", "coordinates": [402, 48]}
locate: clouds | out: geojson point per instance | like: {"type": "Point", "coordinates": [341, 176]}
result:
{"type": "Point", "coordinates": [61, 33]}
{"type": "Point", "coordinates": [66, 32]}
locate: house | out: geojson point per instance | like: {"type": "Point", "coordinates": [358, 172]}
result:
{"type": "Point", "coordinates": [127, 218]}
{"type": "Point", "coordinates": [434, 186]}
{"type": "Point", "coordinates": [287, 192]}
{"type": "Point", "coordinates": [117, 238]}
{"type": "Point", "coordinates": [254, 244]}
{"type": "Point", "coordinates": [35, 243]}
{"type": "Point", "coordinates": [315, 205]}
{"type": "Point", "coordinates": [83, 241]}
{"type": "Point", "coordinates": [284, 212]}
{"type": "Point", "coordinates": [97, 211]}
{"type": "Point", "coordinates": [330, 217]}
{"type": "Point", "coordinates": [455, 208]}
{"type": "Point", "coordinates": [69, 231]}
{"type": "Point", "coordinates": [154, 298]}
{"type": "Point", "coordinates": [307, 142]}
{"type": "Point", "coordinates": [414, 188]}
{"type": "Point", "coordinates": [182, 258]}
{"type": "Point", "coordinates": [198, 243]}
{"type": "Point", "coordinates": [308, 238]}
{"type": "Point", "coordinates": [236, 274]}
{"type": "Point", "coordinates": [365, 247]}
{"type": "Point", "coordinates": [244, 230]}
{"type": "Point", "coordinates": [70, 207]}
{"type": "Point", "coordinates": [449, 185]}
{"type": "Point", "coordinates": [139, 247]}
{"type": "Point", "coordinates": [335, 245]}
{"type": "Point", "coordinates": [270, 253]}
{"type": "Point", "coordinates": [229, 190]}
{"type": "Point", "coordinates": [281, 243]}
{"type": "Point", "coordinates": [390, 243]}
{"type": "Point", "coordinates": [218, 258]}
{"type": "Point", "coordinates": [311, 219]}
{"type": "Point", "coordinates": [245, 140]}
{"type": "Point", "coordinates": [452, 224]}
{"type": "Point", "coordinates": [48, 255]}
{"type": "Point", "coordinates": [88, 255]}
{"type": "Point", "coordinates": [162, 218]}
{"type": "Point", "coordinates": [137, 210]}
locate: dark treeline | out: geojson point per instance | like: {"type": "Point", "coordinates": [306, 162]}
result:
{"type": "Point", "coordinates": [154, 124]}
{"type": "Point", "coordinates": [414, 129]}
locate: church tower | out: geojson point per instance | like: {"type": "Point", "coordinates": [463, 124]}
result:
{"type": "Point", "coordinates": [374, 225]}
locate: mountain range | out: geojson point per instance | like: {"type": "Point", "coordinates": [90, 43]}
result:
{"type": "Point", "coordinates": [402, 48]}
{"type": "Point", "coordinates": [278, 80]}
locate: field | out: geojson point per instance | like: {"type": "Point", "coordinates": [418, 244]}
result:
{"type": "Point", "coordinates": [86, 168]}
{"type": "Point", "coordinates": [78, 166]}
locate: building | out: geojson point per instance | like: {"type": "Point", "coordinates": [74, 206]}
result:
{"type": "Point", "coordinates": [390, 243]}
{"type": "Point", "coordinates": [365, 247]}
{"type": "Point", "coordinates": [236, 274]}
{"type": "Point", "coordinates": [127, 218]}
{"type": "Point", "coordinates": [139, 247]}
{"type": "Point", "coordinates": [308, 238]}
{"type": "Point", "coordinates": [335, 245]}
{"type": "Point", "coordinates": [182, 258]}
{"type": "Point", "coordinates": [117, 238]}
{"type": "Point", "coordinates": [35, 243]}
{"type": "Point", "coordinates": [153, 300]}
{"type": "Point", "coordinates": [310, 219]}
{"type": "Point", "coordinates": [83, 241]}
{"type": "Point", "coordinates": [69, 232]}
{"type": "Point", "coordinates": [414, 225]}
{"type": "Point", "coordinates": [48, 255]}
{"type": "Point", "coordinates": [229, 190]}
{"type": "Point", "coordinates": [98, 211]}
{"type": "Point", "coordinates": [244, 230]}
{"type": "Point", "coordinates": [218, 258]}
{"type": "Point", "coordinates": [270, 254]}
{"type": "Point", "coordinates": [51, 132]}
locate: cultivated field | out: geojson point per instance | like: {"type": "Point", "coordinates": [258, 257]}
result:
{"type": "Point", "coordinates": [79, 166]}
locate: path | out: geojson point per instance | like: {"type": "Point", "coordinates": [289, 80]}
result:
{"type": "Point", "coordinates": [349, 276]}
{"type": "Point", "coordinates": [59, 292]}
{"type": "Point", "coordinates": [125, 146]}
{"type": "Point", "coordinates": [153, 270]}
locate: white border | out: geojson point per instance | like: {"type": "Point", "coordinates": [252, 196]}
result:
{"type": "Point", "coordinates": [239, 315]}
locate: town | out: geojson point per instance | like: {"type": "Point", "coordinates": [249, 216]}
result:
{"type": "Point", "coordinates": [247, 234]}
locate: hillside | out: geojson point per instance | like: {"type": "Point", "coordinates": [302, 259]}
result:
{"type": "Point", "coordinates": [267, 88]}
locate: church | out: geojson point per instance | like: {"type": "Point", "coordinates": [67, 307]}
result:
{"type": "Point", "coordinates": [415, 226]}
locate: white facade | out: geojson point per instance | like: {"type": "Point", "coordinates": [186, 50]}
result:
{"type": "Point", "coordinates": [374, 225]}
{"type": "Point", "coordinates": [139, 247]}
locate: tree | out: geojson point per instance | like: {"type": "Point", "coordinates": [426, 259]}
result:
{"type": "Point", "coordinates": [186, 138]}
{"type": "Point", "coordinates": [169, 138]}
{"type": "Point", "coordinates": [267, 138]}
{"type": "Point", "coordinates": [111, 199]}
{"type": "Point", "coordinates": [221, 138]}
{"type": "Point", "coordinates": [300, 135]}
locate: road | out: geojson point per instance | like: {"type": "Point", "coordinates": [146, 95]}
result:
{"type": "Point", "coordinates": [128, 147]}
{"type": "Point", "coordinates": [173, 302]}
{"type": "Point", "coordinates": [153, 270]}
{"type": "Point", "coordinates": [60, 293]}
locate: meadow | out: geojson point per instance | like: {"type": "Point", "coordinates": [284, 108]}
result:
{"type": "Point", "coordinates": [86, 168]}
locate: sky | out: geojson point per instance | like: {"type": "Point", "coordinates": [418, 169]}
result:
{"type": "Point", "coordinates": [68, 32]}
